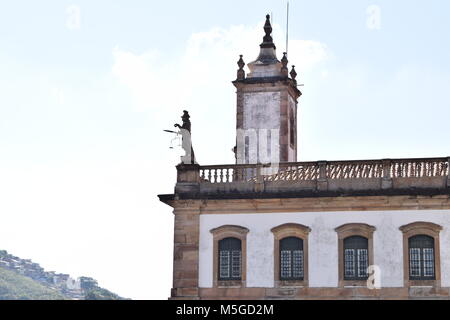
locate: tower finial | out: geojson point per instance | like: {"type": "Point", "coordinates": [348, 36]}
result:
{"type": "Point", "coordinates": [241, 72]}
{"type": "Point", "coordinates": [284, 63]}
{"type": "Point", "coordinates": [267, 40]}
{"type": "Point", "coordinates": [293, 73]}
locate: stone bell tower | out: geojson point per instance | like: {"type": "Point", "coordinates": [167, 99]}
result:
{"type": "Point", "coordinates": [266, 107]}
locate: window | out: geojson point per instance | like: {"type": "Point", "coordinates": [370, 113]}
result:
{"type": "Point", "coordinates": [230, 257]}
{"type": "Point", "coordinates": [421, 254]}
{"type": "Point", "coordinates": [291, 255]}
{"type": "Point", "coordinates": [355, 252]}
{"type": "Point", "coordinates": [229, 254]}
{"type": "Point", "coordinates": [421, 258]}
{"type": "Point", "coordinates": [292, 128]}
{"type": "Point", "coordinates": [355, 258]}
{"type": "Point", "coordinates": [291, 259]}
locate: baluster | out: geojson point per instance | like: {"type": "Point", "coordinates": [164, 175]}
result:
{"type": "Point", "coordinates": [209, 175]}
{"type": "Point", "coordinates": [215, 175]}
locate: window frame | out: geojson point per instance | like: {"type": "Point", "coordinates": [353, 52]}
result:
{"type": "Point", "coordinates": [346, 231]}
{"type": "Point", "coordinates": [282, 232]}
{"type": "Point", "coordinates": [223, 232]}
{"type": "Point", "coordinates": [415, 229]}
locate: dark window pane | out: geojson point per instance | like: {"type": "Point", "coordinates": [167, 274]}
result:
{"type": "Point", "coordinates": [286, 264]}
{"type": "Point", "coordinates": [428, 262]}
{"type": "Point", "coordinates": [414, 262]}
{"type": "Point", "coordinates": [235, 263]}
{"type": "Point", "coordinates": [230, 244]}
{"type": "Point", "coordinates": [224, 264]}
{"type": "Point", "coordinates": [297, 264]}
{"type": "Point", "coordinates": [349, 263]}
{"type": "Point", "coordinates": [362, 263]}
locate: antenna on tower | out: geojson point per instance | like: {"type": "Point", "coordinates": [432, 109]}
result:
{"type": "Point", "coordinates": [287, 26]}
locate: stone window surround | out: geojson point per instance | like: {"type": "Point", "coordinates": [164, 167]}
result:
{"type": "Point", "coordinates": [227, 231]}
{"type": "Point", "coordinates": [348, 230]}
{"type": "Point", "coordinates": [421, 228]}
{"type": "Point", "coordinates": [284, 231]}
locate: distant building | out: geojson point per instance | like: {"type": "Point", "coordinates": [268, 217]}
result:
{"type": "Point", "coordinates": [271, 227]}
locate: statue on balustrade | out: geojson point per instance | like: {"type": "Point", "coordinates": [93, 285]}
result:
{"type": "Point", "coordinates": [186, 144]}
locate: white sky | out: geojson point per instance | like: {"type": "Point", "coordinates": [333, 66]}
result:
{"type": "Point", "coordinates": [83, 103]}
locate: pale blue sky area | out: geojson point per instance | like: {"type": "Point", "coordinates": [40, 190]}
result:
{"type": "Point", "coordinates": [82, 109]}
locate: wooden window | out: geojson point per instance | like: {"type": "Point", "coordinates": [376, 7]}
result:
{"type": "Point", "coordinates": [229, 254]}
{"type": "Point", "coordinates": [355, 252]}
{"type": "Point", "coordinates": [421, 258]}
{"type": "Point", "coordinates": [291, 255]}
{"type": "Point", "coordinates": [291, 259]}
{"type": "Point", "coordinates": [230, 258]}
{"type": "Point", "coordinates": [356, 258]}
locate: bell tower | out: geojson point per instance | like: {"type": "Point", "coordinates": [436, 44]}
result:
{"type": "Point", "coordinates": [266, 126]}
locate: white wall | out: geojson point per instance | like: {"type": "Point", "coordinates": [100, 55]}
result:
{"type": "Point", "coordinates": [261, 113]}
{"type": "Point", "coordinates": [323, 246]}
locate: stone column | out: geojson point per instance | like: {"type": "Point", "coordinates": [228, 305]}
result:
{"type": "Point", "coordinates": [386, 180]}
{"type": "Point", "coordinates": [322, 182]}
{"type": "Point", "coordinates": [188, 178]}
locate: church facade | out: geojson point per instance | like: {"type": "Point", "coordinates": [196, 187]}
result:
{"type": "Point", "coordinates": [269, 227]}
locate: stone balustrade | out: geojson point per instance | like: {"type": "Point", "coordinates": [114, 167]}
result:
{"type": "Point", "coordinates": [320, 176]}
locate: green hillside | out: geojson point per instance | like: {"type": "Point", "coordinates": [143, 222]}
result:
{"type": "Point", "coordinates": [14, 286]}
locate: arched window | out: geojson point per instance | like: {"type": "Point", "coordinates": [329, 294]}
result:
{"type": "Point", "coordinates": [292, 128]}
{"type": "Point", "coordinates": [291, 259]}
{"type": "Point", "coordinates": [290, 255]}
{"type": "Point", "coordinates": [230, 257]}
{"type": "Point", "coordinates": [421, 258]}
{"type": "Point", "coordinates": [355, 247]}
{"type": "Point", "coordinates": [421, 254]}
{"type": "Point", "coordinates": [356, 258]}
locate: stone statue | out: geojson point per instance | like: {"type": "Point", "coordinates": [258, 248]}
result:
{"type": "Point", "coordinates": [186, 144]}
